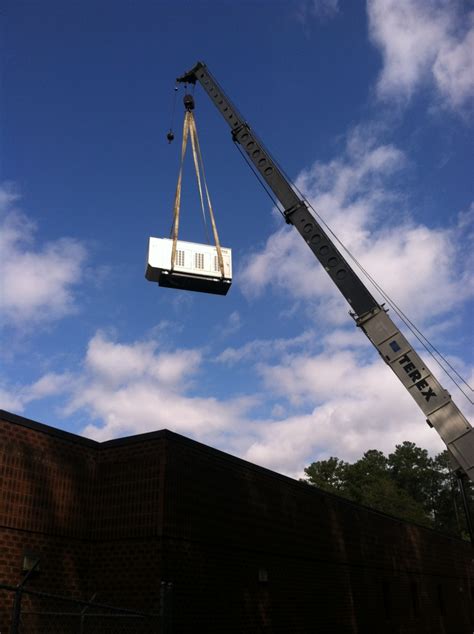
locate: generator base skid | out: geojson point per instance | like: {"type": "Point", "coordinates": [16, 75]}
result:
{"type": "Point", "coordinates": [186, 282]}
{"type": "Point", "coordinates": [196, 266]}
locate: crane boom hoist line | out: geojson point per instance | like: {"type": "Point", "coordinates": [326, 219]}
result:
{"type": "Point", "coordinates": [435, 402]}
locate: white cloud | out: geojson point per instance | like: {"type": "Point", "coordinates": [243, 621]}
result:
{"type": "Point", "coordinates": [321, 10]}
{"type": "Point", "coordinates": [454, 69]}
{"type": "Point", "coordinates": [286, 263]}
{"type": "Point", "coordinates": [262, 348]}
{"type": "Point", "coordinates": [115, 363]}
{"type": "Point", "coordinates": [340, 339]}
{"type": "Point", "coordinates": [231, 326]}
{"type": "Point", "coordinates": [324, 9]}
{"type": "Point", "coordinates": [336, 402]}
{"type": "Point", "coordinates": [8, 196]}
{"type": "Point", "coordinates": [10, 400]}
{"type": "Point", "coordinates": [351, 406]}
{"type": "Point", "coordinates": [348, 401]}
{"type": "Point", "coordinates": [133, 388]}
{"type": "Point", "coordinates": [341, 397]}
{"type": "Point", "coordinates": [319, 378]}
{"type": "Point", "coordinates": [424, 42]}
{"type": "Point", "coordinates": [48, 385]}
{"type": "Point", "coordinates": [15, 398]}
{"type": "Point", "coordinates": [145, 406]}
{"type": "Point", "coordinates": [36, 284]}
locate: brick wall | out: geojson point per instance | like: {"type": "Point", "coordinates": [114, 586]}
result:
{"type": "Point", "coordinates": [247, 550]}
{"type": "Point", "coordinates": [45, 500]}
{"type": "Point", "coordinates": [329, 565]}
{"type": "Point", "coordinates": [126, 529]}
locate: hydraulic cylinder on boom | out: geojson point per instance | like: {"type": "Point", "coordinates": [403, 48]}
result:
{"type": "Point", "coordinates": [435, 402]}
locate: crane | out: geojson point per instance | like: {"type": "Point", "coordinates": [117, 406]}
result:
{"type": "Point", "coordinates": [372, 318]}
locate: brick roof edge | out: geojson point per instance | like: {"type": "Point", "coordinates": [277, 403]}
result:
{"type": "Point", "coordinates": [47, 429]}
{"type": "Point", "coordinates": [167, 434]}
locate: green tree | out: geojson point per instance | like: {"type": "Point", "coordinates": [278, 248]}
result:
{"type": "Point", "coordinates": [327, 474]}
{"type": "Point", "coordinates": [414, 472]}
{"type": "Point", "coordinates": [384, 495]}
{"type": "Point", "coordinates": [449, 513]}
{"type": "Point", "coordinates": [408, 484]}
{"type": "Point", "coordinates": [365, 474]}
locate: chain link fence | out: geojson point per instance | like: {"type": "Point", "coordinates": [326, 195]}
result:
{"type": "Point", "coordinates": [24, 611]}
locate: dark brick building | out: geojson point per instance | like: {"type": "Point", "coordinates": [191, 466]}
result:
{"type": "Point", "coordinates": [247, 550]}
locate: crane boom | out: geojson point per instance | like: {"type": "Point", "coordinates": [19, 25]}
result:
{"type": "Point", "coordinates": [434, 401]}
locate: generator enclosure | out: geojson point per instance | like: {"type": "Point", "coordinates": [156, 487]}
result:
{"type": "Point", "coordinates": [196, 266]}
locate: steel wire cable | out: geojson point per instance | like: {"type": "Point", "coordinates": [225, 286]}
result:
{"type": "Point", "coordinates": [173, 108]}
{"type": "Point", "coordinates": [267, 190]}
{"type": "Point", "coordinates": [411, 326]}
{"type": "Point", "coordinates": [424, 341]}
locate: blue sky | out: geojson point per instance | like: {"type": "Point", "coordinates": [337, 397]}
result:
{"type": "Point", "coordinates": [368, 106]}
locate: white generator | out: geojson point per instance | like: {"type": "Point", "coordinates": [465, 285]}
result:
{"type": "Point", "coordinates": [196, 266]}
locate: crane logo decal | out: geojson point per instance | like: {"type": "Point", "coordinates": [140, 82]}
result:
{"type": "Point", "coordinates": [415, 376]}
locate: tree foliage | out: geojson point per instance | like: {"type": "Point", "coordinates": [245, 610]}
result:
{"type": "Point", "coordinates": [407, 483]}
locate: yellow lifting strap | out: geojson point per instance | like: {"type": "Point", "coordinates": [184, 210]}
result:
{"type": "Point", "coordinates": [189, 129]}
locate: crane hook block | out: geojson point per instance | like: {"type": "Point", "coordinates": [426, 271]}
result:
{"type": "Point", "coordinates": [188, 101]}
{"type": "Point", "coordinates": [170, 136]}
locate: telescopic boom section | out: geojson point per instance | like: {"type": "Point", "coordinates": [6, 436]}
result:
{"type": "Point", "coordinates": [435, 402]}
{"type": "Point", "coordinates": [296, 211]}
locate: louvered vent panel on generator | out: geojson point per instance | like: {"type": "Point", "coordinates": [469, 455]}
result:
{"type": "Point", "coordinates": [199, 260]}
{"type": "Point", "coordinates": [179, 260]}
